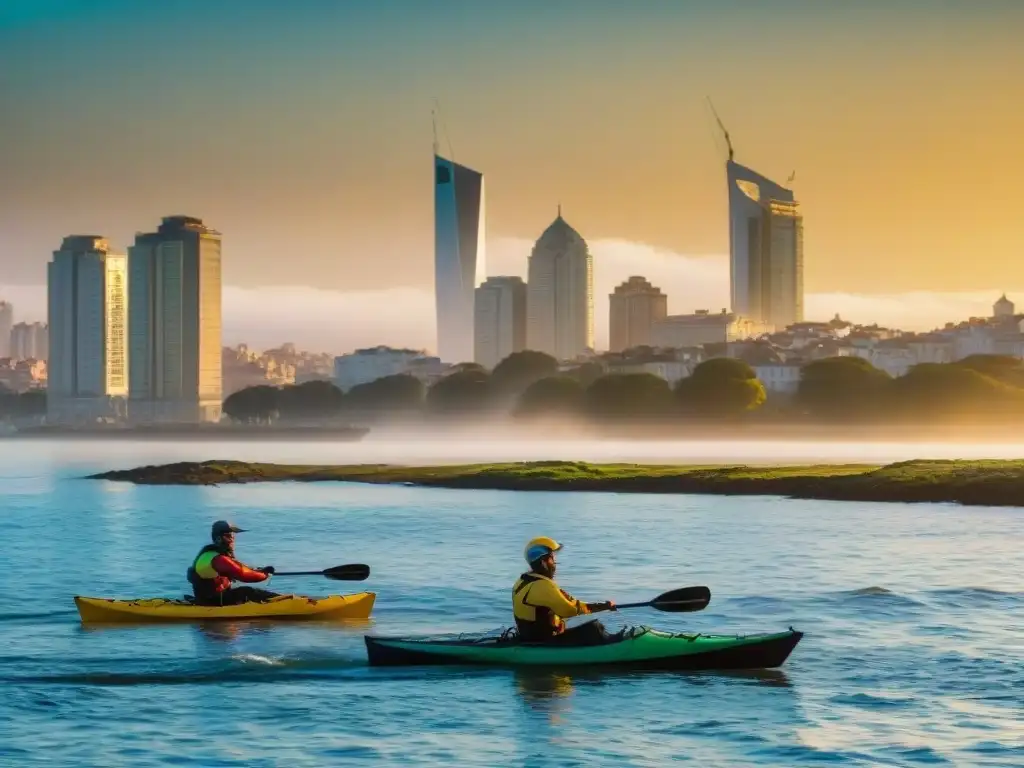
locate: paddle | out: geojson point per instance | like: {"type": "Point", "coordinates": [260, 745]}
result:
{"type": "Point", "coordinates": [351, 572]}
{"type": "Point", "coordinates": [681, 600]}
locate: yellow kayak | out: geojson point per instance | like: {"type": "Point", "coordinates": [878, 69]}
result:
{"type": "Point", "coordinates": [284, 608]}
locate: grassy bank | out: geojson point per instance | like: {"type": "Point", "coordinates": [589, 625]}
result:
{"type": "Point", "coordinates": [990, 483]}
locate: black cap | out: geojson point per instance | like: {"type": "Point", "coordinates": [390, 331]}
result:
{"type": "Point", "coordinates": [223, 526]}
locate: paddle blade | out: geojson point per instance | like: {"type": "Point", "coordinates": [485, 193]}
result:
{"type": "Point", "coordinates": [682, 600]}
{"type": "Point", "coordinates": [352, 572]}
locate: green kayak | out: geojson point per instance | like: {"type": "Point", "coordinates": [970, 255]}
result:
{"type": "Point", "coordinates": [635, 648]}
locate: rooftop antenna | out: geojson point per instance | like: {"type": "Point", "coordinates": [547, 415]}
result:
{"type": "Point", "coordinates": [728, 141]}
{"type": "Point", "coordinates": [433, 121]}
{"type": "Point", "coordinates": [444, 127]}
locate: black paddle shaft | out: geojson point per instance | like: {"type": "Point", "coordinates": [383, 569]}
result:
{"type": "Point", "coordinates": [683, 600]}
{"type": "Point", "coordinates": [351, 572]}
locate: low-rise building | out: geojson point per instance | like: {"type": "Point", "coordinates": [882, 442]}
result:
{"type": "Point", "coordinates": [22, 375]}
{"type": "Point", "coordinates": [780, 378]}
{"type": "Point", "coordinates": [704, 327]}
{"type": "Point", "coordinates": [366, 365]}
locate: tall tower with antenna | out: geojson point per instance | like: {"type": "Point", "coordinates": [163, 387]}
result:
{"type": "Point", "coordinates": [766, 247]}
{"type": "Point", "coordinates": [459, 251]}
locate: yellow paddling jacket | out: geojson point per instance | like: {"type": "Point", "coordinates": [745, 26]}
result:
{"type": "Point", "coordinates": [540, 607]}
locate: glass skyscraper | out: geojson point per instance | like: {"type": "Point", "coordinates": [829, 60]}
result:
{"type": "Point", "coordinates": [766, 251]}
{"type": "Point", "coordinates": [459, 255]}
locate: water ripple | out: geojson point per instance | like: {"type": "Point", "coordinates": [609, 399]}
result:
{"type": "Point", "coordinates": [913, 653]}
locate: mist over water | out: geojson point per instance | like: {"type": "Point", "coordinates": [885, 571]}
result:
{"type": "Point", "coordinates": [399, 445]}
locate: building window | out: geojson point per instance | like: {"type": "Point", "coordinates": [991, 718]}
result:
{"type": "Point", "coordinates": [444, 175]}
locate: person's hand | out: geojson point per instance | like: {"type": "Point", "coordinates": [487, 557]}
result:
{"type": "Point", "coordinates": [611, 605]}
{"type": "Point", "coordinates": [606, 606]}
{"type": "Point", "coordinates": [269, 570]}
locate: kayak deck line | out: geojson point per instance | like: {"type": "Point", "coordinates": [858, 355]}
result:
{"type": "Point", "coordinates": [280, 608]}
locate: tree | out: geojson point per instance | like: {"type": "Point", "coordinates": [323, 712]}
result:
{"type": "Point", "coordinates": [842, 388]}
{"type": "Point", "coordinates": [554, 395]}
{"type": "Point", "coordinates": [1004, 368]}
{"type": "Point", "coordinates": [253, 405]}
{"type": "Point", "coordinates": [521, 369]}
{"type": "Point", "coordinates": [401, 392]}
{"type": "Point", "coordinates": [460, 367]}
{"type": "Point", "coordinates": [315, 399]}
{"type": "Point", "coordinates": [722, 386]}
{"type": "Point", "coordinates": [936, 390]}
{"type": "Point", "coordinates": [466, 391]}
{"type": "Point", "coordinates": [587, 373]}
{"type": "Point", "coordinates": [628, 396]}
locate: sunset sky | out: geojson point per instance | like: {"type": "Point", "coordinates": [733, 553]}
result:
{"type": "Point", "coordinates": [302, 130]}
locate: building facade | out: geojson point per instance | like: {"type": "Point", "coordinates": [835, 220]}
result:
{"type": "Point", "coordinates": [366, 365]}
{"type": "Point", "coordinates": [87, 307]}
{"type": "Point", "coordinates": [499, 327]}
{"type": "Point", "coordinates": [6, 325]}
{"type": "Point", "coordinates": [766, 251]}
{"type": "Point", "coordinates": [29, 341]}
{"type": "Point", "coordinates": [703, 327]}
{"type": "Point", "coordinates": [560, 294]}
{"type": "Point", "coordinates": [634, 307]}
{"type": "Point", "coordinates": [1003, 308]}
{"type": "Point", "coordinates": [459, 255]}
{"type": "Point", "coordinates": [175, 323]}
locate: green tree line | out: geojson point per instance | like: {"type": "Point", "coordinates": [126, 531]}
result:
{"type": "Point", "coordinates": [529, 385]}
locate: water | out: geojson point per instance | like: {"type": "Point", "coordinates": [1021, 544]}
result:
{"type": "Point", "coordinates": [913, 653]}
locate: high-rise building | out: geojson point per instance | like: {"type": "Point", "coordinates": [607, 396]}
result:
{"type": "Point", "coordinates": [29, 341]}
{"type": "Point", "coordinates": [175, 323]}
{"type": "Point", "coordinates": [499, 327]}
{"type": "Point", "coordinates": [633, 308]}
{"type": "Point", "coordinates": [459, 255]}
{"type": "Point", "coordinates": [88, 320]}
{"type": "Point", "coordinates": [6, 323]}
{"type": "Point", "coordinates": [766, 250]}
{"type": "Point", "coordinates": [560, 293]}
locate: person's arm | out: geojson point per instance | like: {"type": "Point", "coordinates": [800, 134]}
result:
{"type": "Point", "coordinates": [546, 594]}
{"type": "Point", "coordinates": [236, 571]}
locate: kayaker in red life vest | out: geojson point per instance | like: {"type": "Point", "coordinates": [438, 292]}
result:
{"type": "Point", "coordinates": [540, 606]}
{"type": "Point", "coordinates": [215, 567]}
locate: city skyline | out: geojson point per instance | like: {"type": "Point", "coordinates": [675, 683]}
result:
{"type": "Point", "coordinates": [874, 167]}
{"type": "Point", "coordinates": [689, 283]}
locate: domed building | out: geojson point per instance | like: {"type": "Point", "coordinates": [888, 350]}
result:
{"type": "Point", "coordinates": [1003, 307]}
{"type": "Point", "coordinates": [560, 293]}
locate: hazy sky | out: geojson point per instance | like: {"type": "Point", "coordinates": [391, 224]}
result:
{"type": "Point", "coordinates": [302, 129]}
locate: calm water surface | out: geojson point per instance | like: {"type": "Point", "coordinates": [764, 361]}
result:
{"type": "Point", "coordinates": [914, 653]}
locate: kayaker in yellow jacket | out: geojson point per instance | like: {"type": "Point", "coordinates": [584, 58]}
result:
{"type": "Point", "coordinates": [540, 606]}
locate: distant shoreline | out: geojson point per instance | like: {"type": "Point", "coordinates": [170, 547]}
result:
{"type": "Point", "coordinates": [972, 483]}
{"type": "Point", "coordinates": [186, 434]}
